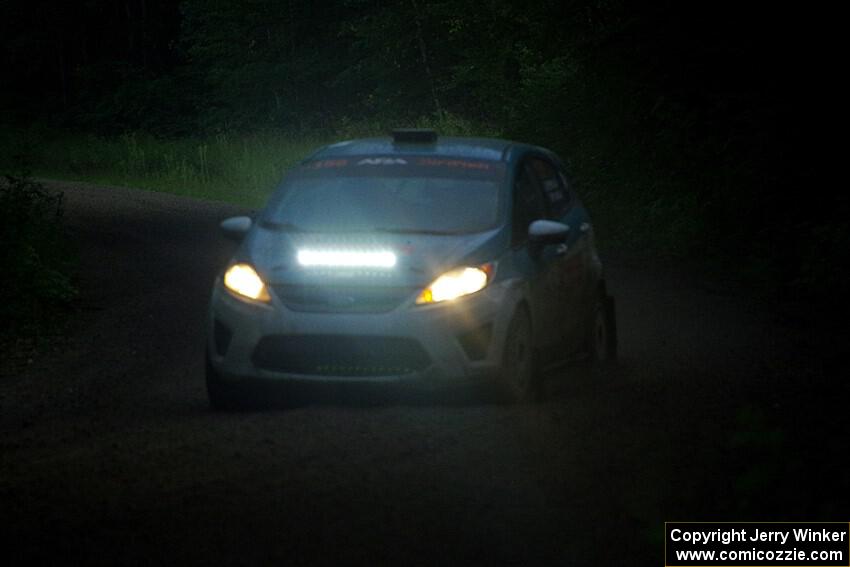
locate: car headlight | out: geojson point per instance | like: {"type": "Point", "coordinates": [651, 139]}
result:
{"type": "Point", "coordinates": [456, 283]}
{"type": "Point", "coordinates": [243, 280]}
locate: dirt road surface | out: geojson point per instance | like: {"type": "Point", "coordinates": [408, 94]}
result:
{"type": "Point", "coordinates": [722, 408]}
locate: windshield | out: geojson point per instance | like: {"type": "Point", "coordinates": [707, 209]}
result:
{"type": "Point", "coordinates": [388, 194]}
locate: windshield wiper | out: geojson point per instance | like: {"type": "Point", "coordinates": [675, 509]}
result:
{"type": "Point", "coordinates": [291, 227]}
{"type": "Point", "coordinates": [417, 231]}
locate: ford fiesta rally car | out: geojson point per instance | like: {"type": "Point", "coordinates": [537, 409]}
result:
{"type": "Point", "coordinates": [411, 258]}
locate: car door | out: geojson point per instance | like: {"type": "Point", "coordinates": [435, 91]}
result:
{"type": "Point", "coordinates": [540, 266]}
{"type": "Point", "coordinates": [568, 281]}
{"type": "Point", "coordinates": [590, 269]}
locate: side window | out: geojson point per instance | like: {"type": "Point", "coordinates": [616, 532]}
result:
{"type": "Point", "coordinates": [557, 194]}
{"type": "Point", "coordinates": [528, 204]}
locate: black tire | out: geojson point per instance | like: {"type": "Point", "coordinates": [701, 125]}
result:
{"type": "Point", "coordinates": [518, 373]}
{"type": "Point", "coordinates": [223, 396]}
{"type": "Point", "coordinates": [601, 334]}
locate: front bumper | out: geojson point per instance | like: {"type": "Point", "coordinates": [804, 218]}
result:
{"type": "Point", "coordinates": [448, 341]}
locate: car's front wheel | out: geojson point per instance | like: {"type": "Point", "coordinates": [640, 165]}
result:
{"type": "Point", "coordinates": [518, 375]}
{"type": "Point", "coordinates": [223, 396]}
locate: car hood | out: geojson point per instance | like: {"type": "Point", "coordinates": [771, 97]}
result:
{"type": "Point", "coordinates": [419, 257]}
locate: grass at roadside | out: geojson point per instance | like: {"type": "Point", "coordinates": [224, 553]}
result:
{"type": "Point", "coordinates": [240, 170]}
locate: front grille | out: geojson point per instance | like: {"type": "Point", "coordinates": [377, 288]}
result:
{"type": "Point", "coordinates": [342, 299]}
{"type": "Point", "coordinates": [340, 355]}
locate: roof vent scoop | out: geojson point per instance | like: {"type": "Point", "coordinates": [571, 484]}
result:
{"type": "Point", "coordinates": [414, 136]}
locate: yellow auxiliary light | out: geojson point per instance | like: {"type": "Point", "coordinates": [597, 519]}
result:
{"type": "Point", "coordinates": [243, 280]}
{"type": "Point", "coordinates": [456, 283]}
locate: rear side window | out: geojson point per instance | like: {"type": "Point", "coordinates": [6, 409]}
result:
{"type": "Point", "coordinates": [555, 190]}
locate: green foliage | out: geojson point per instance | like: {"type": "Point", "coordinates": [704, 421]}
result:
{"type": "Point", "coordinates": [241, 169]}
{"type": "Point", "coordinates": [34, 254]}
{"type": "Point", "coordinates": [446, 123]}
{"type": "Point", "coordinates": [263, 64]}
{"type": "Point", "coordinates": [450, 124]}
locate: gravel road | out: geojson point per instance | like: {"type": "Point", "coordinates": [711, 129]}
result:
{"type": "Point", "coordinates": [722, 408]}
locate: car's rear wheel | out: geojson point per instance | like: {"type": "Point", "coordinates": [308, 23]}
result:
{"type": "Point", "coordinates": [518, 375]}
{"type": "Point", "coordinates": [601, 336]}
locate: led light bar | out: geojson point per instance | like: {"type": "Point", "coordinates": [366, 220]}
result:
{"type": "Point", "coordinates": [347, 258]}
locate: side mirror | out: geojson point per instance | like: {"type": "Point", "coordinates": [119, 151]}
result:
{"type": "Point", "coordinates": [543, 232]}
{"type": "Point", "coordinates": [235, 228]}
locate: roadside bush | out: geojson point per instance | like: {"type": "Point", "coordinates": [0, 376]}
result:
{"type": "Point", "coordinates": [34, 254]}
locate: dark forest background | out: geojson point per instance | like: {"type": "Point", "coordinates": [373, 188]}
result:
{"type": "Point", "coordinates": [694, 130]}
